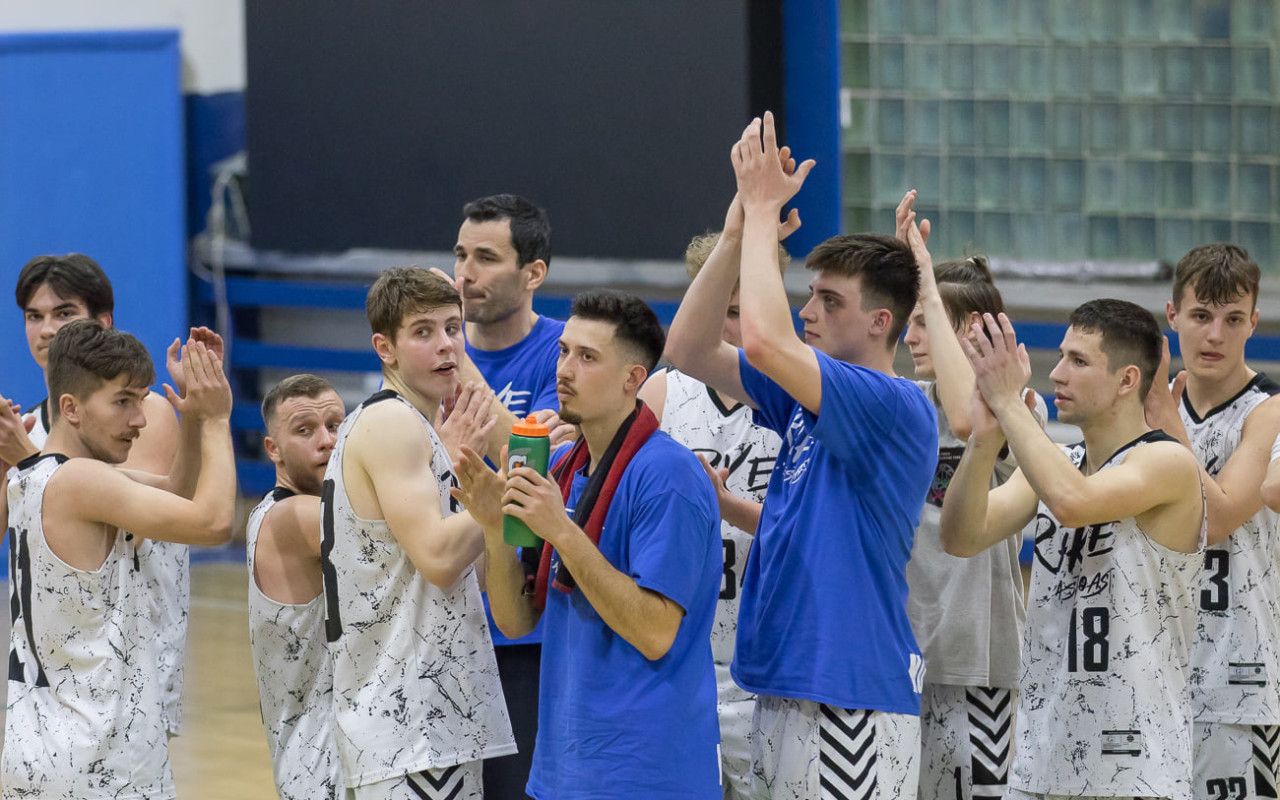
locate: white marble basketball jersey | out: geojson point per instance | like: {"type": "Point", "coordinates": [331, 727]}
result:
{"type": "Point", "coordinates": [1104, 706]}
{"type": "Point", "coordinates": [415, 682]}
{"type": "Point", "coordinates": [166, 571]}
{"type": "Point", "coordinates": [1235, 656]}
{"type": "Point", "coordinates": [84, 715]}
{"type": "Point", "coordinates": [295, 682]}
{"type": "Point", "coordinates": [695, 417]}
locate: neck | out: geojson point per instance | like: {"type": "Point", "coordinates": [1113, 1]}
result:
{"type": "Point", "coordinates": [726, 400]}
{"type": "Point", "coordinates": [1206, 393]}
{"type": "Point", "coordinates": [283, 480]}
{"type": "Point", "coordinates": [1103, 437]}
{"type": "Point", "coordinates": [65, 440]}
{"type": "Point", "coordinates": [877, 357]}
{"type": "Point", "coordinates": [429, 406]}
{"type": "Point", "coordinates": [599, 433]}
{"type": "Point", "coordinates": [505, 332]}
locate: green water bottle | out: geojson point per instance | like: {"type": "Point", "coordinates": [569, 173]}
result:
{"type": "Point", "coordinates": [529, 446]}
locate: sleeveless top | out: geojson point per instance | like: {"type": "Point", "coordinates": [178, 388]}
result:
{"type": "Point", "coordinates": [295, 681]}
{"type": "Point", "coordinates": [1235, 655]}
{"type": "Point", "coordinates": [1104, 707]}
{"type": "Point", "coordinates": [84, 715]}
{"type": "Point", "coordinates": [415, 681]}
{"type": "Point", "coordinates": [166, 569]}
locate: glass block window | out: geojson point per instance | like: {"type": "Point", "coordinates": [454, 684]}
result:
{"type": "Point", "coordinates": [1066, 129]}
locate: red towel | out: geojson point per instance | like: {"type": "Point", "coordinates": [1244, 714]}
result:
{"type": "Point", "coordinates": [593, 505]}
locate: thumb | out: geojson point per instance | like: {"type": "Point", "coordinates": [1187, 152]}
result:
{"type": "Point", "coordinates": [1179, 386]}
{"type": "Point", "coordinates": [925, 227]}
{"type": "Point", "coordinates": [29, 423]}
{"type": "Point", "coordinates": [802, 171]}
{"type": "Point", "coordinates": [172, 396]}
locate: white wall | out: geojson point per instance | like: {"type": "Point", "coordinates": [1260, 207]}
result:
{"type": "Point", "coordinates": [212, 31]}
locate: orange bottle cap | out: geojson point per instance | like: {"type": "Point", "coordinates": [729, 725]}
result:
{"type": "Point", "coordinates": [530, 426]}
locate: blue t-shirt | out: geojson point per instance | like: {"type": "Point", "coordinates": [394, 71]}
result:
{"type": "Point", "coordinates": [524, 374]}
{"type": "Point", "coordinates": [823, 615]}
{"type": "Point", "coordinates": [611, 723]}
{"type": "Point", "coordinates": [524, 378]}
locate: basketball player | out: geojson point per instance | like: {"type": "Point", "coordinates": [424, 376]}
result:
{"type": "Point", "coordinates": [1104, 708]}
{"type": "Point", "coordinates": [52, 291]}
{"type": "Point", "coordinates": [503, 253]}
{"type": "Point", "coordinates": [1229, 416]}
{"type": "Point", "coordinates": [417, 700]}
{"type": "Point", "coordinates": [857, 456]}
{"type": "Point", "coordinates": [85, 716]}
{"type": "Point", "coordinates": [628, 581]}
{"type": "Point", "coordinates": [286, 613]}
{"type": "Point", "coordinates": [967, 614]}
{"type": "Point", "coordinates": [718, 428]}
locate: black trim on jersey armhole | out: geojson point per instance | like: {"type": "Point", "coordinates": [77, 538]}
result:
{"type": "Point", "coordinates": [1149, 437]}
{"type": "Point", "coordinates": [35, 458]}
{"type": "Point", "coordinates": [724, 410]}
{"type": "Point", "coordinates": [379, 396]}
{"type": "Point", "coordinates": [43, 405]}
{"type": "Point", "coordinates": [328, 573]}
{"type": "Point", "coordinates": [281, 493]}
{"type": "Point", "coordinates": [1259, 381]}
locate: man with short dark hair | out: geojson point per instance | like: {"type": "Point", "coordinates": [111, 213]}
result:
{"type": "Point", "coordinates": [286, 610]}
{"type": "Point", "coordinates": [86, 715]}
{"type": "Point", "coordinates": [858, 449]}
{"type": "Point", "coordinates": [1229, 415]}
{"type": "Point", "coordinates": [1103, 708]}
{"type": "Point", "coordinates": [52, 291]}
{"type": "Point", "coordinates": [503, 253]}
{"type": "Point", "coordinates": [627, 585]}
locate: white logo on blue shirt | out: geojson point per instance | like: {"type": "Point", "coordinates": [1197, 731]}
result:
{"type": "Point", "coordinates": [515, 401]}
{"type": "Point", "coordinates": [801, 454]}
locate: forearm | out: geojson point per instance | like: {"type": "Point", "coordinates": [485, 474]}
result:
{"type": "Point", "coordinates": [766, 315]}
{"type": "Point", "coordinates": [953, 372]}
{"type": "Point", "coordinates": [1270, 491]}
{"type": "Point", "coordinates": [505, 584]}
{"type": "Point", "coordinates": [215, 490]}
{"type": "Point", "coordinates": [740, 512]}
{"type": "Point", "coordinates": [1052, 475]}
{"type": "Point", "coordinates": [185, 471]}
{"type": "Point", "coordinates": [642, 617]}
{"type": "Point", "coordinates": [699, 319]}
{"type": "Point", "coordinates": [17, 447]}
{"type": "Point", "coordinates": [963, 524]}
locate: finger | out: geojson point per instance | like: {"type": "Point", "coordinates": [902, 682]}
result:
{"type": "Point", "coordinates": [487, 427]}
{"type": "Point", "coordinates": [502, 463]}
{"type": "Point", "coordinates": [904, 206]}
{"type": "Point", "coordinates": [969, 350]}
{"type": "Point", "coordinates": [171, 396]}
{"type": "Point", "coordinates": [1165, 359]}
{"type": "Point", "coordinates": [770, 134]}
{"type": "Point", "coordinates": [1006, 328]}
{"type": "Point", "coordinates": [1029, 400]}
{"type": "Point", "coordinates": [1179, 385]}
{"type": "Point", "coordinates": [925, 227]}
{"type": "Point", "coordinates": [802, 171]}
{"type": "Point", "coordinates": [171, 354]}
{"type": "Point", "coordinates": [29, 423]}
{"type": "Point", "coordinates": [994, 333]}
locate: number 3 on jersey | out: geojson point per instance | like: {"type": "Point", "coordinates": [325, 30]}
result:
{"type": "Point", "coordinates": [1216, 594]}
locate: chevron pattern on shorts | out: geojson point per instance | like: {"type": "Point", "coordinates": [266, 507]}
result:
{"type": "Point", "coordinates": [446, 784]}
{"type": "Point", "coordinates": [1266, 759]}
{"type": "Point", "coordinates": [847, 750]}
{"type": "Point", "coordinates": [991, 738]}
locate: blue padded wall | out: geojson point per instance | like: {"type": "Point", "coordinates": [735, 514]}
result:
{"type": "Point", "coordinates": [92, 160]}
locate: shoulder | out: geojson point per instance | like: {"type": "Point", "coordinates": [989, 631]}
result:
{"type": "Point", "coordinates": [157, 407]}
{"type": "Point", "coordinates": [1265, 415]}
{"type": "Point", "coordinates": [663, 468]}
{"type": "Point", "coordinates": [1163, 459]}
{"type": "Point", "coordinates": [387, 428]}
{"type": "Point", "coordinates": [292, 516]}
{"type": "Point", "coordinates": [545, 334]}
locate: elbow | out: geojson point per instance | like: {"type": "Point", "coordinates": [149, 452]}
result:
{"type": "Point", "coordinates": [656, 644]}
{"type": "Point", "coordinates": [1070, 511]}
{"type": "Point", "coordinates": [955, 545]}
{"type": "Point", "coordinates": [441, 574]}
{"type": "Point", "coordinates": [761, 350]}
{"type": "Point", "coordinates": [678, 351]}
{"type": "Point", "coordinates": [1271, 494]}
{"type": "Point", "coordinates": [961, 430]}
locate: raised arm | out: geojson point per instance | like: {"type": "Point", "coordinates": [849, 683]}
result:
{"type": "Point", "coordinates": [765, 184]}
{"type": "Point", "coordinates": [974, 516]}
{"type": "Point", "coordinates": [953, 373]}
{"type": "Point", "coordinates": [694, 345]}
{"type": "Point", "coordinates": [106, 494]}
{"type": "Point", "coordinates": [15, 443]}
{"type": "Point", "coordinates": [391, 447]}
{"type": "Point", "coordinates": [1271, 483]}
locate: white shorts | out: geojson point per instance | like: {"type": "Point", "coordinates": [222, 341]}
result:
{"type": "Point", "coordinates": [1233, 762]}
{"type": "Point", "coordinates": [735, 707]}
{"type": "Point", "coordinates": [459, 782]}
{"type": "Point", "coordinates": [804, 750]}
{"type": "Point", "coordinates": [1018, 794]}
{"type": "Point", "coordinates": [966, 742]}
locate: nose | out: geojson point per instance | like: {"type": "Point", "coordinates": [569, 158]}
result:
{"type": "Point", "coordinates": [48, 327]}
{"type": "Point", "coordinates": [808, 313]}
{"type": "Point", "coordinates": [1056, 375]}
{"type": "Point", "coordinates": [913, 334]}
{"type": "Point", "coordinates": [1214, 332]}
{"type": "Point", "coordinates": [327, 438]}
{"type": "Point", "coordinates": [139, 419]}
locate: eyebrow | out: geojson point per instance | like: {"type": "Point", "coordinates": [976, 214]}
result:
{"type": "Point", "coordinates": [71, 304]}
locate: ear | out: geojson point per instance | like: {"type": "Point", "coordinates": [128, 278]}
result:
{"type": "Point", "coordinates": [69, 408]}
{"type": "Point", "coordinates": [535, 272]}
{"type": "Point", "coordinates": [881, 321]}
{"type": "Point", "coordinates": [969, 321]}
{"type": "Point", "coordinates": [106, 319]}
{"type": "Point", "coordinates": [1253, 319]}
{"type": "Point", "coordinates": [1130, 379]}
{"type": "Point", "coordinates": [385, 348]}
{"type": "Point", "coordinates": [273, 450]}
{"type": "Point", "coordinates": [636, 375]}
{"type": "Point", "coordinates": [1171, 314]}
